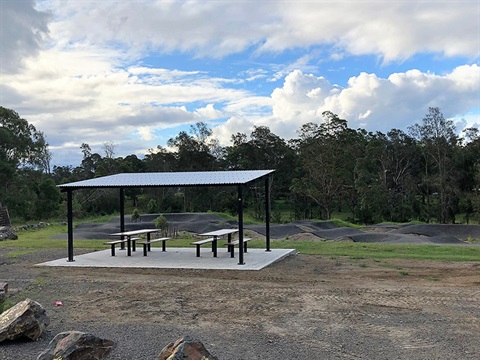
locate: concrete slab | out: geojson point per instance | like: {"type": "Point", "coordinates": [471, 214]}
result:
{"type": "Point", "coordinates": [175, 258]}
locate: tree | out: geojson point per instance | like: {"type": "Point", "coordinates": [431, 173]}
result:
{"type": "Point", "coordinates": [264, 150]}
{"type": "Point", "coordinates": [49, 199]}
{"type": "Point", "coordinates": [438, 143]}
{"type": "Point", "coordinates": [109, 149]}
{"type": "Point", "coordinates": [20, 142]}
{"type": "Point", "coordinates": [195, 151]}
{"type": "Point", "coordinates": [385, 178]}
{"type": "Point", "coordinates": [327, 153]}
{"type": "Point", "coordinates": [21, 145]}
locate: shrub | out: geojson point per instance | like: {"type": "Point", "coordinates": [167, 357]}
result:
{"type": "Point", "coordinates": [152, 206]}
{"type": "Point", "coordinates": [135, 215]}
{"type": "Point", "coordinates": [161, 222]}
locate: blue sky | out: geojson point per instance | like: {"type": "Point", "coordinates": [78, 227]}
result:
{"type": "Point", "coordinates": [136, 73]}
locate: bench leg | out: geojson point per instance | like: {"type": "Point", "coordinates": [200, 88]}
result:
{"type": "Point", "coordinates": [113, 249]}
{"type": "Point", "coordinates": [245, 247]}
{"type": "Point", "coordinates": [164, 245]}
{"type": "Point", "coordinates": [214, 245]}
{"type": "Point", "coordinates": [144, 249]}
{"type": "Point", "coordinates": [134, 245]}
{"type": "Point", "coordinates": [198, 250]}
{"type": "Point", "coordinates": [122, 245]}
{"type": "Point", "coordinates": [149, 247]}
{"type": "Point", "coordinates": [232, 250]}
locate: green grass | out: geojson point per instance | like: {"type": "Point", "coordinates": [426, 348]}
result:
{"type": "Point", "coordinates": [6, 304]}
{"type": "Point", "coordinates": [29, 240]}
{"type": "Point", "coordinates": [379, 251]}
{"type": "Point", "coordinates": [247, 219]}
{"type": "Point", "coordinates": [343, 223]}
{"type": "Point", "coordinates": [43, 239]}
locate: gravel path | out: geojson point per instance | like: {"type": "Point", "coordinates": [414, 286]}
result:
{"type": "Point", "coordinates": [304, 307]}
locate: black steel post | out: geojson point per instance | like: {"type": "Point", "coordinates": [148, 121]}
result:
{"type": "Point", "coordinates": [122, 217]}
{"type": "Point", "coordinates": [267, 212]}
{"type": "Point", "coordinates": [215, 245]}
{"type": "Point", "coordinates": [122, 210]}
{"type": "Point", "coordinates": [70, 224]}
{"type": "Point", "coordinates": [240, 225]}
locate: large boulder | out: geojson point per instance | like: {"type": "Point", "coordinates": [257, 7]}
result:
{"type": "Point", "coordinates": [185, 348]}
{"type": "Point", "coordinates": [25, 319]}
{"type": "Point", "coordinates": [76, 345]}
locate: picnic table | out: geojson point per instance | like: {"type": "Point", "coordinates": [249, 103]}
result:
{"type": "Point", "coordinates": [129, 237]}
{"type": "Point", "coordinates": [214, 235]}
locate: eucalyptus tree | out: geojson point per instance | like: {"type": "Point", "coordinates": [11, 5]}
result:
{"type": "Point", "coordinates": [438, 144]}
{"type": "Point", "coordinates": [22, 147]}
{"type": "Point", "coordinates": [327, 154]}
{"type": "Point", "coordinates": [385, 178]}
{"type": "Point", "coordinates": [21, 144]}
{"type": "Point", "coordinates": [196, 150]}
{"type": "Point", "coordinates": [470, 177]}
{"type": "Point", "coordinates": [261, 150]}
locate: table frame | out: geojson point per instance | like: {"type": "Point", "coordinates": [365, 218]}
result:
{"type": "Point", "coordinates": [131, 233]}
{"type": "Point", "coordinates": [216, 234]}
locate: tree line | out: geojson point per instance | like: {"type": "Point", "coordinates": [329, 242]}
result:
{"type": "Point", "coordinates": [428, 173]}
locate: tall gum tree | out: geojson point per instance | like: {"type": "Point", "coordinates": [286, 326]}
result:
{"type": "Point", "coordinates": [327, 153]}
{"type": "Point", "coordinates": [438, 143]}
{"type": "Point", "coordinates": [22, 148]}
{"type": "Point", "coordinates": [20, 144]}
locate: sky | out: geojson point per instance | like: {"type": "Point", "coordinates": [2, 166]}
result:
{"type": "Point", "coordinates": [133, 74]}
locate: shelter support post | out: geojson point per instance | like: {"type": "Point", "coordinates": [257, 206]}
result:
{"type": "Point", "coordinates": [122, 215]}
{"type": "Point", "coordinates": [70, 224]}
{"type": "Point", "coordinates": [267, 213]}
{"type": "Point", "coordinates": [240, 226]}
{"type": "Point", "coordinates": [122, 210]}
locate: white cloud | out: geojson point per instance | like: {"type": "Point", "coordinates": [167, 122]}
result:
{"type": "Point", "coordinates": [85, 95]}
{"type": "Point", "coordinates": [379, 104]}
{"type": "Point", "coordinates": [368, 101]}
{"type": "Point", "coordinates": [392, 30]}
{"type": "Point", "coordinates": [85, 79]}
{"type": "Point", "coordinates": [209, 112]}
{"type": "Point", "coordinates": [145, 133]}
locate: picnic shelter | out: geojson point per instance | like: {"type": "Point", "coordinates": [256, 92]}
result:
{"type": "Point", "coordinates": [240, 179]}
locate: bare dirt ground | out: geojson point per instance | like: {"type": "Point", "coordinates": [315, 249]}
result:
{"type": "Point", "coordinates": [303, 307]}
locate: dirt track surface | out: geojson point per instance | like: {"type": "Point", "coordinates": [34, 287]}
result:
{"type": "Point", "coordinates": [303, 307]}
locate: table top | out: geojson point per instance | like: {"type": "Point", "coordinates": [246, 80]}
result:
{"type": "Point", "coordinates": [135, 232]}
{"type": "Point", "coordinates": [220, 232]}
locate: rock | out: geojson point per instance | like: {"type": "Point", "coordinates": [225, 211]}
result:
{"type": "Point", "coordinates": [6, 233]}
{"type": "Point", "coordinates": [185, 348]}
{"type": "Point", "coordinates": [4, 287]}
{"type": "Point", "coordinates": [76, 345]}
{"type": "Point", "coordinates": [25, 319]}
{"type": "Point", "coordinates": [3, 293]}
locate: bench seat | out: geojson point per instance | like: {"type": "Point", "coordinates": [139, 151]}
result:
{"type": "Point", "coordinates": [147, 244]}
{"type": "Point", "coordinates": [122, 241]}
{"type": "Point", "coordinates": [202, 242]}
{"type": "Point", "coordinates": [231, 246]}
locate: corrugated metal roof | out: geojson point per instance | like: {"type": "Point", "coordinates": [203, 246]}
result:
{"type": "Point", "coordinates": [159, 179]}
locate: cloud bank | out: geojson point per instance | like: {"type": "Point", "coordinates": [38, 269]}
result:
{"type": "Point", "coordinates": [136, 72]}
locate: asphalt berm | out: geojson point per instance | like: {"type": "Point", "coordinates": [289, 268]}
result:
{"type": "Point", "coordinates": [197, 223]}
